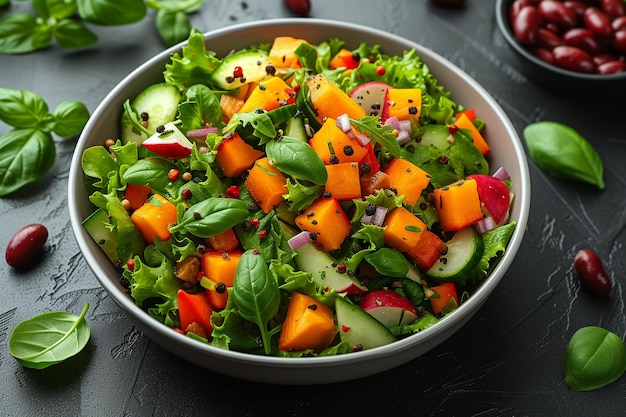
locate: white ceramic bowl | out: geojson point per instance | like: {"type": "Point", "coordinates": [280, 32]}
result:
{"type": "Point", "coordinates": [506, 151]}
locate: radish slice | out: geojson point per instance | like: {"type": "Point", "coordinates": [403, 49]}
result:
{"type": "Point", "coordinates": [299, 240]}
{"type": "Point", "coordinates": [200, 133]}
{"type": "Point", "coordinates": [501, 174]}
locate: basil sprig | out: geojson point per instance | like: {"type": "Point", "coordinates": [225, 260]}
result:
{"type": "Point", "coordinates": [594, 357]}
{"type": "Point", "coordinates": [256, 294]}
{"type": "Point", "coordinates": [64, 20]}
{"type": "Point", "coordinates": [212, 216]}
{"type": "Point", "coordinates": [49, 338]}
{"type": "Point", "coordinates": [296, 158]}
{"type": "Point", "coordinates": [563, 153]}
{"type": "Point", "coordinates": [27, 152]}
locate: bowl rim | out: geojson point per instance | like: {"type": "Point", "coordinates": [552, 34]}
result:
{"type": "Point", "coordinates": [502, 13]}
{"type": "Point", "coordinates": [140, 317]}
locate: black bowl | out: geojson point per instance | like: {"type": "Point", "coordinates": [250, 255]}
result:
{"type": "Point", "coordinates": [554, 78]}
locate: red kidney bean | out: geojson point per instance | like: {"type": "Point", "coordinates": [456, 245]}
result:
{"type": "Point", "coordinates": [591, 273]}
{"type": "Point", "coordinates": [25, 245]}
{"type": "Point", "coordinates": [548, 39]}
{"type": "Point", "coordinates": [545, 55]}
{"type": "Point", "coordinates": [619, 41]}
{"type": "Point", "coordinates": [526, 25]}
{"type": "Point", "coordinates": [299, 7]}
{"type": "Point", "coordinates": [598, 22]}
{"type": "Point", "coordinates": [582, 38]}
{"type": "Point", "coordinates": [614, 8]}
{"type": "Point", "coordinates": [573, 59]}
{"type": "Point", "coordinates": [612, 67]}
{"type": "Point", "coordinates": [619, 23]}
{"type": "Point", "coordinates": [577, 6]}
{"type": "Point", "coordinates": [603, 59]}
{"type": "Point", "coordinates": [518, 5]}
{"type": "Point", "coordinates": [556, 12]}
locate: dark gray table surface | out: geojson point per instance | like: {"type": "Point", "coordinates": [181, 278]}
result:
{"type": "Point", "coordinates": [507, 361]}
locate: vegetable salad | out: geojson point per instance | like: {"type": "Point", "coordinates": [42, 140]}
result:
{"type": "Point", "coordinates": [294, 199]}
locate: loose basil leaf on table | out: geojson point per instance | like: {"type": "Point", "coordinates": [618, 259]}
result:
{"type": "Point", "coordinates": [22, 109]}
{"type": "Point", "coordinates": [256, 294]}
{"type": "Point", "coordinates": [49, 338]}
{"type": "Point", "coordinates": [111, 12]}
{"type": "Point", "coordinates": [594, 357]}
{"type": "Point", "coordinates": [563, 153]}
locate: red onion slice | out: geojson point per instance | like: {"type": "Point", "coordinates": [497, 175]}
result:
{"type": "Point", "coordinates": [201, 133]}
{"type": "Point", "coordinates": [363, 139]}
{"type": "Point", "coordinates": [299, 240]}
{"type": "Point", "coordinates": [485, 225]}
{"type": "Point", "coordinates": [378, 218]}
{"type": "Point", "coordinates": [501, 174]}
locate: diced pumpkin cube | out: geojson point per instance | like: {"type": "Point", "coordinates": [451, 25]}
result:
{"type": "Point", "coordinates": [464, 122]}
{"type": "Point", "coordinates": [219, 269]}
{"type": "Point", "coordinates": [266, 184]}
{"type": "Point", "coordinates": [403, 103]}
{"type": "Point", "coordinates": [269, 95]}
{"type": "Point", "coordinates": [283, 51]}
{"type": "Point", "coordinates": [308, 324]}
{"type": "Point", "coordinates": [458, 205]}
{"type": "Point", "coordinates": [136, 195]}
{"type": "Point", "coordinates": [154, 218]}
{"type": "Point", "coordinates": [427, 250]}
{"type": "Point", "coordinates": [235, 156]}
{"type": "Point", "coordinates": [223, 242]}
{"type": "Point", "coordinates": [343, 59]}
{"type": "Point", "coordinates": [374, 181]}
{"type": "Point", "coordinates": [327, 220]}
{"type": "Point", "coordinates": [402, 229]}
{"type": "Point", "coordinates": [343, 181]}
{"type": "Point", "coordinates": [407, 178]}
{"type": "Point", "coordinates": [330, 141]}
{"type": "Point", "coordinates": [330, 101]}
{"type": "Point", "coordinates": [229, 106]}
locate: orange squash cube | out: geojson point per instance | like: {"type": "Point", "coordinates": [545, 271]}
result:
{"type": "Point", "coordinates": [330, 101]}
{"type": "Point", "coordinates": [464, 122]}
{"type": "Point", "coordinates": [404, 103]}
{"type": "Point", "coordinates": [402, 229]}
{"type": "Point", "coordinates": [268, 95]}
{"type": "Point", "coordinates": [327, 220]}
{"type": "Point", "coordinates": [235, 156]}
{"type": "Point", "coordinates": [283, 51]}
{"type": "Point", "coordinates": [154, 218]}
{"type": "Point", "coordinates": [266, 184]}
{"type": "Point", "coordinates": [343, 181]}
{"type": "Point", "coordinates": [458, 205]}
{"type": "Point", "coordinates": [219, 269]}
{"type": "Point", "coordinates": [427, 250]}
{"type": "Point", "coordinates": [407, 178]}
{"type": "Point", "coordinates": [330, 141]}
{"type": "Point", "coordinates": [308, 324]}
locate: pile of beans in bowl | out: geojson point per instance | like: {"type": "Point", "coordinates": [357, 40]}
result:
{"type": "Point", "coordinates": [587, 36]}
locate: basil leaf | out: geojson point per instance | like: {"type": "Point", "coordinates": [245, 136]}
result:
{"type": "Point", "coordinates": [98, 163]}
{"type": "Point", "coordinates": [256, 293]}
{"type": "Point", "coordinates": [22, 108]}
{"type": "Point", "coordinates": [201, 108]}
{"type": "Point", "coordinates": [111, 12]}
{"type": "Point", "coordinates": [149, 171]}
{"type": "Point", "coordinates": [212, 216]}
{"type": "Point", "coordinates": [261, 123]}
{"type": "Point", "coordinates": [21, 33]}
{"type": "Point", "coordinates": [49, 338]}
{"type": "Point", "coordinates": [296, 158]}
{"type": "Point", "coordinates": [594, 357]}
{"type": "Point", "coordinates": [388, 262]}
{"type": "Point", "coordinates": [71, 117]}
{"type": "Point", "coordinates": [25, 156]}
{"type": "Point", "coordinates": [173, 26]}
{"type": "Point", "coordinates": [72, 34]}
{"type": "Point", "coordinates": [564, 153]}
{"type": "Point", "coordinates": [188, 6]}
{"type": "Point", "coordinates": [57, 9]}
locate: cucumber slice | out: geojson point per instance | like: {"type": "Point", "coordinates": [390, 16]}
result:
{"type": "Point", "coordinates": [160, 102]}
{"type": "Point", "coordinates": [295, 129]}
{"type": "Point", "coordinates": [323, 269]}
{"type": "Point", "coordinates": [359, 328]}
{"type": "Point", "coordinates": [253, 65]}
{"type": "Point", "coordinates": [464, 252]}
{"type": "Point", "coordinates": [435, 135]}
{"type": "Point", "coordinates": [102, 235]}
